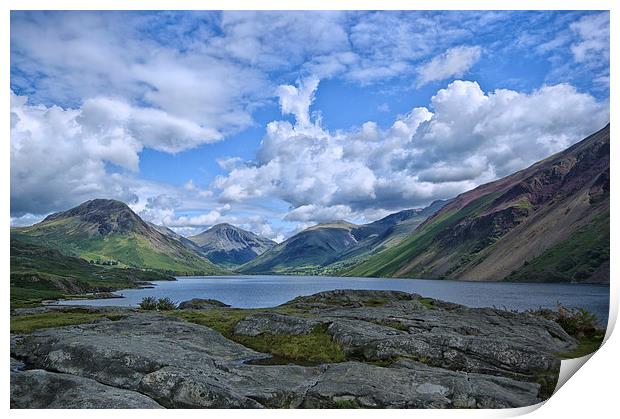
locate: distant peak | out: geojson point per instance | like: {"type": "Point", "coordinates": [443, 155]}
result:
{"type": "Point", "coordinates": [102, 207]}
{"type": "Point", "coordinates": [334, 224]}
{"type": "Point", "coordinates": [223, 225]}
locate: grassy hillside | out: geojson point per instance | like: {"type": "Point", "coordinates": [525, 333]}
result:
{"type": "Point", "coordinates": [579, 257]}
{"type": "Point", "coordinates": [549, 222]}
{"type": "Point", "coordinates": [330, 248]}
{"type": "Point", "coordinates": [108, 230]}
{"type": "Point", "coordinates": [38, 273]}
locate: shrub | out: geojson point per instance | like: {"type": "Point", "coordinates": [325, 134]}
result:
{"type": "Point", "coordinates": [166, 304]}
{"type": "Point", "coordinates": [148, 303]}
{"type": "Point", "coordinates": [576, 322]}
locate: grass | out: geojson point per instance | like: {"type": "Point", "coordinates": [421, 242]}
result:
{"type": "Point", "coordinates": [221, 319]}
{"type": "Point", "coordinates": [389, 261]}
{"type": "Point", "coordinates": [314, 347]}
{"type": "Point", "coordinates": [428, 303]}
{"type": "Point", "coordinates": [130, 249]}
{"type": "Point", "coordinates": [548, 381]}
{"type": "Point", "coordinates": [572, 260]}
{"type": "Point", "coordinates": [393, 324]}
{"type": "Point", "coordinates": [346, 404]}
{"type": "Point", "coordinates": [578, 323]}
{"type": "Point", "coordinates": [30, 322]}
{"type": "Point", "coordinates": [39, 273]}
{"type": "Point", "coordinates": [585, 346]}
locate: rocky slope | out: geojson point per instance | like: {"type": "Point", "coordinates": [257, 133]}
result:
{"type": "Point", "coordinates": [549, 222]}
{"type": "Point", "coordinates": [108, 230]}
{"type": "Point", "coordinates": [398, 350]}
{"type": "Point", "coordinates": [230, 246]}
{"type": "Point", "coordinates": [328, 248]}
{"type": "Point", "coordinates": [176, 236]}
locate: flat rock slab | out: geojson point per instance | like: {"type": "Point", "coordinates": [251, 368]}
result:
{"type": "Point", "coordinates": [39, 389]}
{"type": "Point", "coordinates": [415, 385]}
{"type": "Point", "coordinates": [440, 355]}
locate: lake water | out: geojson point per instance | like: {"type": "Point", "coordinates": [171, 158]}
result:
{"type": "Point", "coordinates": [268, 291]}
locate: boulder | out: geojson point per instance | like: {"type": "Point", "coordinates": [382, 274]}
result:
{"type": "Point", "coordinates": [201, 304]}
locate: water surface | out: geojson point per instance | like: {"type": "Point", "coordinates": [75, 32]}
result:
{"type": "Point", "coordinates": [268, 291]}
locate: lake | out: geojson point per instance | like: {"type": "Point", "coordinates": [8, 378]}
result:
{"type": "Point", "coordinates": [267, 291]}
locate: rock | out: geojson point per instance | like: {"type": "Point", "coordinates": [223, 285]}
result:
{"type": "Point", "coordinates": [276, 324]}
{"type": "Point", "coordinates": [414, 385]}
{"type": "Point", "coordinates": [38, 389]}
{"type": "Point", "coordinates": [17, 365]}
{"type": "Point", "coordinates": [201, 304]}
{"type": "Point", "coordinates": [348, 298]}
{"type": "Point", "coordinates": [402, 351]}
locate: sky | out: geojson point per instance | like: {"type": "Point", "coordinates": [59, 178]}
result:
{"type": "Point", "coordinates": [276, 121]}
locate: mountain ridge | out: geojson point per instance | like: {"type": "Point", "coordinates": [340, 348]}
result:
{"type": "Point", "coordinates": [109, 230]}
{"type": "Point", "coordinates": [228, 245]}
{"type": "Point", "coordinates": [500, 230]}
{"type": "Point", "coordinates": [324, 248]}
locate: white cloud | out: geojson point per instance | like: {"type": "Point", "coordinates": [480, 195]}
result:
{"type": "Point", "coordinates": [453, 63]}
{"type": "Point", "coordinates": [69, 57]}
{"type": "Point", "coordinates": [297, 100]}
{"type": "Point", "coordinates": [315, 213]}
{"type": "Point", "coordinates": [593, 33]}
{"type": "Point", "coordinates": [59, 156]}
{"type": "Point", "coordinates": [471, 137]}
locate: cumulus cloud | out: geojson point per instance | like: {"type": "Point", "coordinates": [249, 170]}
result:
{"type": "Point", "coordinates": [59, 156]}
{"type": "Point", "coordinates": [297, 100]}
{"type": "Point", "coordinates": [316, 213]}
{"type": "Point", "coordinates": [467, 137]}
{"type": "Point", "coordinates": [453, 63]}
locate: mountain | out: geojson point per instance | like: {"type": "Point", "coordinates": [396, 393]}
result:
{"type": "Point", "coordinates": [328, 248]}
{"type": "Point", "coordinates": [39, 272]}
{"type": "Point", "coordinates": [230, 246]}
{"type": "Point", "coordinates": [176, 236]}
{"type": "Point", "coordinates": [549, 222]}
{"type": "Point", "coordinates": [108, 231]}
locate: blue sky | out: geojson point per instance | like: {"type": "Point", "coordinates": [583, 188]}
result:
{"type": "Point", "coordinates": [275, 121]}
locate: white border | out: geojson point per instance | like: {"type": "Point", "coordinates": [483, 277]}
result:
{"type": "Point", "coordinates": [592, 393]}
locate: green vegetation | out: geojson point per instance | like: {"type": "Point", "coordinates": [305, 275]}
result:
{"type": "Point", "coordinates": [572, 260]}
{"type": "Point", "coordinates": [39, 273]}
{"type": "Point", "coordinates": [30, 322]}
{"type": "Point", "coordinates": [427, 303]}
{"type": "Point", "coordinates": [314, 347]}
{"type": "Point", "coordinates": [578, 323]}
{"type": "Point", "coordinates": [161, 304]}
{"type": "Point", "coordinates": [109, 231]}
{"type": "Point", "coordinates": [584, 347]}
{"type": "Point", "coordinates": [131, 249]}
{"type": "Point", "coordinates": [221, 319]}
{"type": "Point", "coordinates": [346, 404]}
{"type": "Point", "coordinates": [393, 324]}
{"type": "Point", "coordinates": [389, 261]}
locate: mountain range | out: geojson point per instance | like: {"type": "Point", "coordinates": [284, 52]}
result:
{"type": "Point", "coordinates": [230, 246]}
{"type": "Point", "coordinates": [327, 248]}
{"type": "Point", "coordinates": [549, 222]}
{"type": "Point", "coordinates": [108, 231]}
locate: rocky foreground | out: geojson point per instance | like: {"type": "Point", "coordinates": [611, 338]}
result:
{"type": "Point", "coordinates": [395, 350]}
